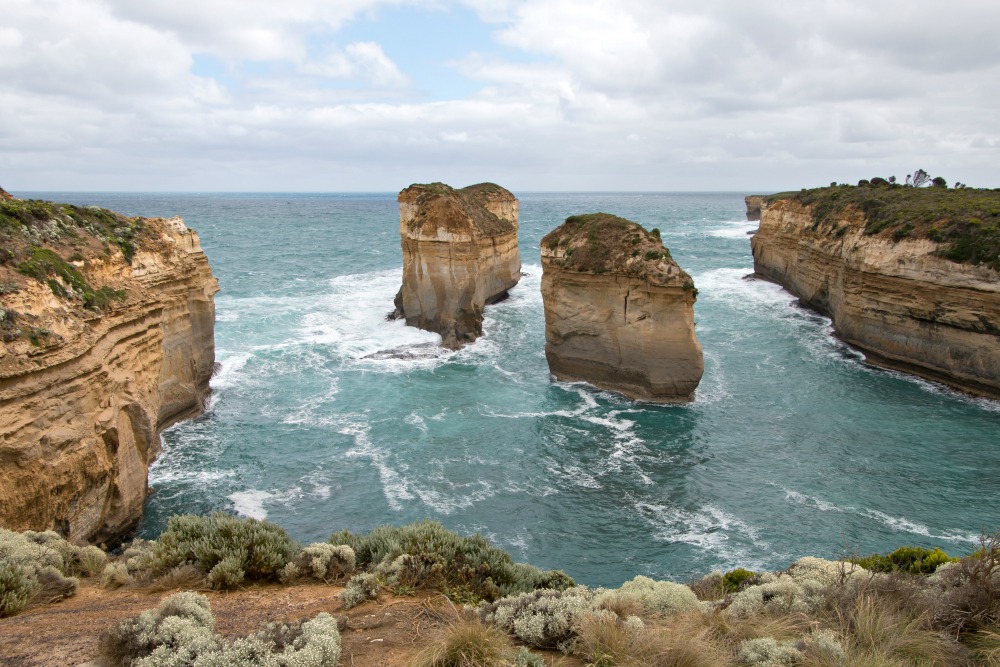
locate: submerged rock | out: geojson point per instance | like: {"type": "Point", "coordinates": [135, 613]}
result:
{"type": "Point", "coordinates": [459, 254]}
{"type": "Point", "coordinates": [619, 311]}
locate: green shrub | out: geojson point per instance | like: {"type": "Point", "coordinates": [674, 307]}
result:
{"type": "Point", "coordinates": [225, 547]}
{"type": "Point", "coordinates": [467, 569]}
{"type": "Point", "coordinates": [914, 560]}
{"type": "Point", "coordinates": [732, 580]}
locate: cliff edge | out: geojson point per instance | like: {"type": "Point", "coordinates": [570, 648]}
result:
{"type": "Point", "coordinates": [910, 276]}
{"type": "Point", "coordinates": [460, 254]}
{"type": "Point", "coordinates": [619, 311]}
{"type": "Point", "coordinates": [107, 327]}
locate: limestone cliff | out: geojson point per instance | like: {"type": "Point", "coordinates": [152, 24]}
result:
{"type": "Point", "coordinates": [107, 337]}
{"type": "Point", "coordinates": [753, 203]}
{"type": "Point", "coordinates": [459, 254]}
{"type": "Point", "coordinates": [879, 266]}
{"type": "Point", "coordinates": [619, 311]}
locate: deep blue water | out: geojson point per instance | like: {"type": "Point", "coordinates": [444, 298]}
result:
{"type": "Point", "coordinates": [793, 447]}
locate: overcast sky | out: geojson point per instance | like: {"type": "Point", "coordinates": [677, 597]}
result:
{"type": "Point", "coordinates": [579, 95]}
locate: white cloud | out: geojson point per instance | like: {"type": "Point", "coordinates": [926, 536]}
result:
{"type": "Point", "coordinates": [572, 94]}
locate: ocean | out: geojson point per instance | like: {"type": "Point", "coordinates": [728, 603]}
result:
{"type": "Point", "coordinates": [793, 446]}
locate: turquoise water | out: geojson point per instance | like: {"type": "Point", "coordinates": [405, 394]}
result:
{"type": "Point", "coordinates": [793, 447]}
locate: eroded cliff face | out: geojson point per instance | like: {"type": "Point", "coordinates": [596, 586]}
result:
{"type": "Point", "coordinates": [904, 307]}
{"type": "Point", "coordinates": [754, 203]}
{"type": "Point", "coordinates": [619, 312]}
{"type": "Point", "coordinates": [460, 254]}
{"type": "Point", "coordinates": [95, 360]}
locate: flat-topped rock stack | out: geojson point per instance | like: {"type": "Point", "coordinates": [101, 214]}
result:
{"type": "Point", "coordinates": [619, 311]}
{"type": "Point", "coordinates": [460, 254]}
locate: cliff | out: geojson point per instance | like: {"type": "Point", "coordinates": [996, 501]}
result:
{"type": "Point", "coordinates": [910, 277]}
{"type": "Point", "coordinates": [459, 254]}
{"type": "Point", "coordinates": [107, 338]}
{"type": "Point", "coordinates": [619, 312]}
{"type": "Point", "coordinates": [753, 202]}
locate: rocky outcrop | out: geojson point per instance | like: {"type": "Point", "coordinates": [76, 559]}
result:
{"type": "Point", "coordinates": [893, 297]}
{"type": "Point", "coordinates": [754, 203]}
{"type": "Point", "coordinates": [460, 254]}
{"type": "Point", "coordinates": [107, 339]}
{"type": "Point", "coordinates": [619, 312]}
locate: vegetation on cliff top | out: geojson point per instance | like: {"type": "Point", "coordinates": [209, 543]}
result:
{"type": "Point", "coordinates": [965, 221]}
{"type": "Point", "coordinates": [440, 203]}
{"type": "Point", "coordinates": [604, 243]}
{"type": "Point", "coordinates": [914, 607]}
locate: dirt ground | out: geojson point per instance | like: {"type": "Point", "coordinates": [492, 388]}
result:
{"type": "Point", "coordinates": [383, 633]}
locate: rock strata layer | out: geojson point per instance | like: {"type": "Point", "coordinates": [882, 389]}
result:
{"type": "Point", "coordinates": [619, 311]}
{"type": "Point", "coordinates": [108, 337]}
{"type": "Point", "coordinates": [460, 254]}
{"type": "Point", "coordinates": [895, 299]}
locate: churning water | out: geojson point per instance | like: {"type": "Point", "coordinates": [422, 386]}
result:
{"type": "Point", "coordinates": [793, 447]}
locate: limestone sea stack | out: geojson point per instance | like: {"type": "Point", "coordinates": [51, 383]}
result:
{"type": "Point", "coordinates": [753, 203]}
{"type": "Point", "coordinates": [107, 327]}
{"type": "Point", "coordinates": [619, 311]}
{"type": "Point", "coordinates": [460, 254]}
{"type": "Point", "coordinates": [909, 276]}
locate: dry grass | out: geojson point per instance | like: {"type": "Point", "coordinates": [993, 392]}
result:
{"type": "Point", "coordinates": [604, 641]}
{"type": "Point", "coordinates": [468, 642]}
{"type": "Point", "coordinates": [183, 577]}
{"type": "Point", "coordinates": [879, 630]}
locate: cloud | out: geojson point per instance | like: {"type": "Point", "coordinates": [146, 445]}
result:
{"type": "Point", "coordinates": [649, 94]}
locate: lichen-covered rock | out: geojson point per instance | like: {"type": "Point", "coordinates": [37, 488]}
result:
{"type": "Point", "coordinates": [106, 337]}
{"type": "Point", "coordinates": [619, 311]}
{"type": "Point", "coordinates": [459, 254]}
{"type": "Point", "coordinates": [894, 297]}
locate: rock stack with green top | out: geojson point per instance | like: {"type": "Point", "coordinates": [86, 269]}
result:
{"type": "Point", "coordinates": [619, 311]}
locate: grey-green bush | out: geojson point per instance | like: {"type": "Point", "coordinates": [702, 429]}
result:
{"type": "Point", "coordinates": [322, 561]}
{"type": "Point", "coordinates": [542, 619]}
{"type": "Point", "coordinates": [467, 569]}
{"type": "Point", "coordinates": [225, 547]}
{"type": "Point", "coordinates": [361, 587]}
{"type": "Point", "coordinates": [16, 588]}
{"type": "Point", "coordinates": [180, 633]}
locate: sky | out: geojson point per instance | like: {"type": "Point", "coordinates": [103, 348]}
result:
{"type": "Point", "coordinates": [536, 95]}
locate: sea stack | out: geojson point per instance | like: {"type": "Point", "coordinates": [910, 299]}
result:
{"type": "Point", "coordinates": [107, 327]}
{"type": "Point", "coordinates": [459, 254]}
{"type": "Point", "coordinates": [909, 276]}
{"type": "Point", "coordinates": [619, 311]}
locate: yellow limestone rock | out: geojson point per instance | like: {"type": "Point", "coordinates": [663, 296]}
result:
{"type": "Point", "coordinates": [88, 378]}
{"type": "Point", "coordinates": [459, 254]}
{"type": "Point", "coordinates": [619, 312]}
{"type": "Point", "coordinates": [903, 306]}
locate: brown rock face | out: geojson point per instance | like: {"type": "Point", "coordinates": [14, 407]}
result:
{"type": "Point", "coordinates": [86, 386]}
{"type": "Point", "coordinates": [459, 254]}
{"type": "Point", "coordinates": [619, 312]}
{"type": "Point", "coordinates": [753, 203]}
{"type": "Point", "coordinates": [902, 306]}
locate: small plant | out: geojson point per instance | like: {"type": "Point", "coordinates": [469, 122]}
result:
{"type": "Point", "coordinates": [467, 643]}
{"type": "Point", "coordinates": [734, 579]}
{"type": "Point", "coordinates": [543, 619]}
{"type": "Point", "coordinates": [16, 588]}
{"type": "Point", "coordinates": [660, 597]}
{"type": "Point", "coordinates": [914, 560]}
{"type": "Point", "coordinates": [360, 588]}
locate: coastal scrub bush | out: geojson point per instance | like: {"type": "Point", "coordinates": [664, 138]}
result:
{"type": "Point", "coordinates": [361, 587]}
{"type": "Point", "coordinates": [659, 597]}
{"type": "Point", "coordinates": [228, 549]}
{"type": "Point", "coordinates": [732, 580]}
{"type": "Point", "coordinates": [914, 560]}
{"type": "Point", "coordinates": [322, 561]}
{"type": "Point", "coordinates": [180, 633]}
{"type": "Point", "coordinates": [466, 569]}
{"type": "Point", "coordinates": [16, 588]}
{"type": "Point", "coordinates": [767, 652]}
{"type": "Point", "coordinates": [542, 619]}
